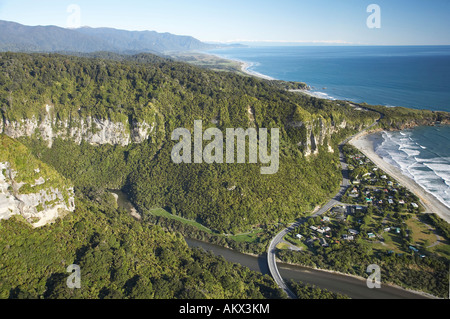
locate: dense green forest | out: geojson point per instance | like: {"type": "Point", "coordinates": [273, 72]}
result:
{"type": "Point", "coordinates": [119, 257]}
{"type": "Point", "coordinates": [173, 95]}
{"type": "Point", "coordinates": [27, 169]}
{"type": "Point", "coordinates": [123, 258]}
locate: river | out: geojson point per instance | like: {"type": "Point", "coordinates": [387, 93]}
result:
{"type": "Point", "coordinates": [352, 287]}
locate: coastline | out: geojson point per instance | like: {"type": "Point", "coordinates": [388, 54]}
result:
{"type": "Point", "coordinates": [317, 95]}
{"type": "Point", "coordinates": [245, 68]}
{"type": "Point", "coordinates": [427, 199]}
{"type": "Point", "coordinates": [431, 204]}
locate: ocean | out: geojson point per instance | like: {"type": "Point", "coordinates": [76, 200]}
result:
{"type": "Point", "coordinates": [411, 76]}
{"type": "Point", "coordinates": [422, 153]}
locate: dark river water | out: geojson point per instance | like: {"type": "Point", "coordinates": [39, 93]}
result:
{"type": "Point", "coordinates": [352, 287]}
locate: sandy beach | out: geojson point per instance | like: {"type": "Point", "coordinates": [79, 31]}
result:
{"type": "Point", "coordinates": [245, 68]}
{"type": "Point", "coordinates": [312, 94]}
{"type": "Point", "coordinates": [431, 203]}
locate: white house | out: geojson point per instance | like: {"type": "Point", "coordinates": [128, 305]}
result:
{"type": "Point", "coordinates": [347, 237]}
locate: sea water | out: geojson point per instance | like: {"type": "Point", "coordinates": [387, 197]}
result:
{"type": "Point", "coordinates": [411, 76]}
{"type": "Point", "coordinates": [422, 154]}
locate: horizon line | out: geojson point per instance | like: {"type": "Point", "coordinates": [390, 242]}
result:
{"type": "Point", "coordinates": [237, 41]}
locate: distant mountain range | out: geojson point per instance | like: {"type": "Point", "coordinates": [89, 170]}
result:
{"type": "Point", "coordinates": [20, 38]}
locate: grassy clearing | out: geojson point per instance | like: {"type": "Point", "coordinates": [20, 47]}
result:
{"type": "Point", "coordinates": [421, 233]}
{"type": "Point", "coordinates": [282, 246]}
{"type": "Point", "coordinates": [247, 237]}
{"type": "Point", "coordinates": [163, 213]}
{"type": "Point", "coordinates": [392, 242]}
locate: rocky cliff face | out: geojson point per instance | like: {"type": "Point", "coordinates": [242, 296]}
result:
{"type": "Point", "coordinates": [40, 206]}
{"type": "Point", "coordinates": [315, 133]}
{"type": "Point", "coordinates": [91, 130]}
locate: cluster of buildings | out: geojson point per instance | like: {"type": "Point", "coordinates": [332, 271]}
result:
{"type": "Point", "coordinates": [378, 190]}
{"type": "Point", "coordinates": [379, 184]}
{"type": "Point", "coordinates": [374, 196]}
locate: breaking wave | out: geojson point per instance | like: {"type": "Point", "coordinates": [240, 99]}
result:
{"type": "Point", "coordinates": [427, 168]}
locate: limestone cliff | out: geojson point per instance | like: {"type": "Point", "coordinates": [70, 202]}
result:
{"type": "Point", "coordinates": [30, 188]}
{"type": "Point", "coordinates": [314, 133]}
{"type": "Point", "coordinates": [76, 128]}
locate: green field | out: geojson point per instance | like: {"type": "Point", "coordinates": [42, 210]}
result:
{"type": "Point", "coordinates": [247, 237]}
{"type": "Point", "coordinates": [420, 232]}
{"type": "Point", "coordinates": [250, 237]}
{"type": "Point", "coordinates": [163, 213]}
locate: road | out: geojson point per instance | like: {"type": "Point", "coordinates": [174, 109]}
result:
{"type": "Point", "coordinates": [271, 253]}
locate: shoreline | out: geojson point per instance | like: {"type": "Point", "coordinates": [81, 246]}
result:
{"type": "Point", "coordinates": [428, 200]}
{"type": "Point", "coordinates": [431, 203]}
{"type": "Point", "coordinates": [245, 68]}
{"type": "Point", "coordinates": [317, 95]}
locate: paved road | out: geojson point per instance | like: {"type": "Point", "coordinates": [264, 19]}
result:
{"type": "Point", "coordinates": [271, 254]}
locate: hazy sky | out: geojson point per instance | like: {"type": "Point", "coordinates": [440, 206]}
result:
{"type": "Point", "coordinates": [340, 21]}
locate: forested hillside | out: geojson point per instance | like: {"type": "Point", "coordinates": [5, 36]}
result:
{"type": "Point", "coordinates": [46, 101]}
{"type": "Point", "coordinates": [170, 95]}
{"type": "Point", "coordinates": [119, 258]}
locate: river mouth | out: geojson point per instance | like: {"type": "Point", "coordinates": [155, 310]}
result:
{"type": "Point", "coordinates": [352, 287]}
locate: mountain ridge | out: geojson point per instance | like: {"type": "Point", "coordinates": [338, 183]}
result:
{"type": "Point", "coordinates": [17, 37]}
